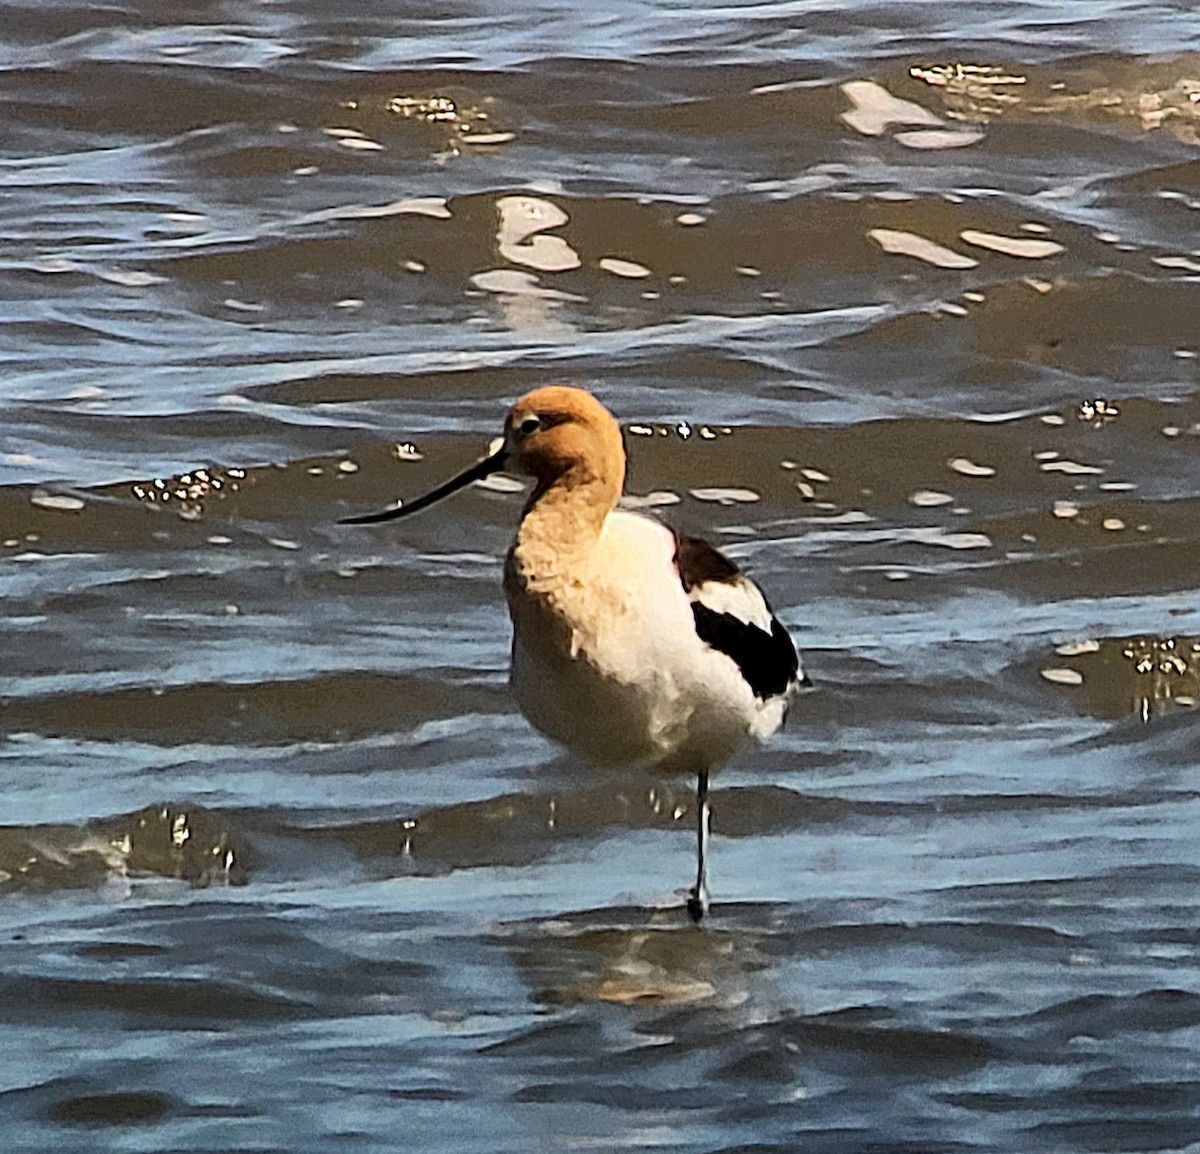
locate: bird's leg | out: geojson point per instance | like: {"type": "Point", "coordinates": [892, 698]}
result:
{"type": "Point", "coordinates": [698, 899]}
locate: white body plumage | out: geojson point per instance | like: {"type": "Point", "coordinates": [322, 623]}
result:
{"type": "Point", "coordinates": [607, 659]}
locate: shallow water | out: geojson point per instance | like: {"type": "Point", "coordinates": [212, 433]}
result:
{"type": "Point", "coordinates": [899, 306]}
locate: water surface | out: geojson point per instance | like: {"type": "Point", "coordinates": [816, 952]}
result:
{"type": "Point", "coordinates": [898, 305]}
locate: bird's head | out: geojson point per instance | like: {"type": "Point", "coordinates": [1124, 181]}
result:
{"type": "Point", "coordinates": [558, 435]}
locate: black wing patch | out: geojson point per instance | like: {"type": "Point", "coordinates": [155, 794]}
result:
{"type": "Point", "coordinates": [767, 660]}
{"type": "Point", "coordinates": [697, 562]}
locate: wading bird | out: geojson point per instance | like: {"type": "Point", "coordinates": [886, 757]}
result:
{"type": "Point", "coordinates": [632, 645]}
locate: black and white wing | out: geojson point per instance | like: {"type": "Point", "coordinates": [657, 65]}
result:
{"type": "Point", "coordinates": [733, 616]}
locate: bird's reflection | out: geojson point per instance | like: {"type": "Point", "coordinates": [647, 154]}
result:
{"type": "Point", "coordinates": [643, 957]}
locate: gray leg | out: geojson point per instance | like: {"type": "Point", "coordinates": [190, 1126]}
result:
{"type": "Point", "coordinates": [698, 900]}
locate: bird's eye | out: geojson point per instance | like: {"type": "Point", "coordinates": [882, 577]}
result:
{"type": "Point", "coordinates": [530, 424]}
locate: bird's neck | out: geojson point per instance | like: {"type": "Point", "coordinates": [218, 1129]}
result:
{"type": "Point", "coordinates": [562, 522]}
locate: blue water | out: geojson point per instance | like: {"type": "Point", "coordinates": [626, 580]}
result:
{"type": "Point", "coordinates": [282, 868]}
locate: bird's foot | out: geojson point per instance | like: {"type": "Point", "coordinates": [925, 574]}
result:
{"type": "Point", "coordinates": [697, 904]}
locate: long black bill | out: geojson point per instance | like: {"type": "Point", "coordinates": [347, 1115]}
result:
{"type": "Point", "coordinates": [476, 472]}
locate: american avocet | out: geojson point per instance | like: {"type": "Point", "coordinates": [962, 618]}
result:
{"type": "Point", "coordinates": [632, 645]}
